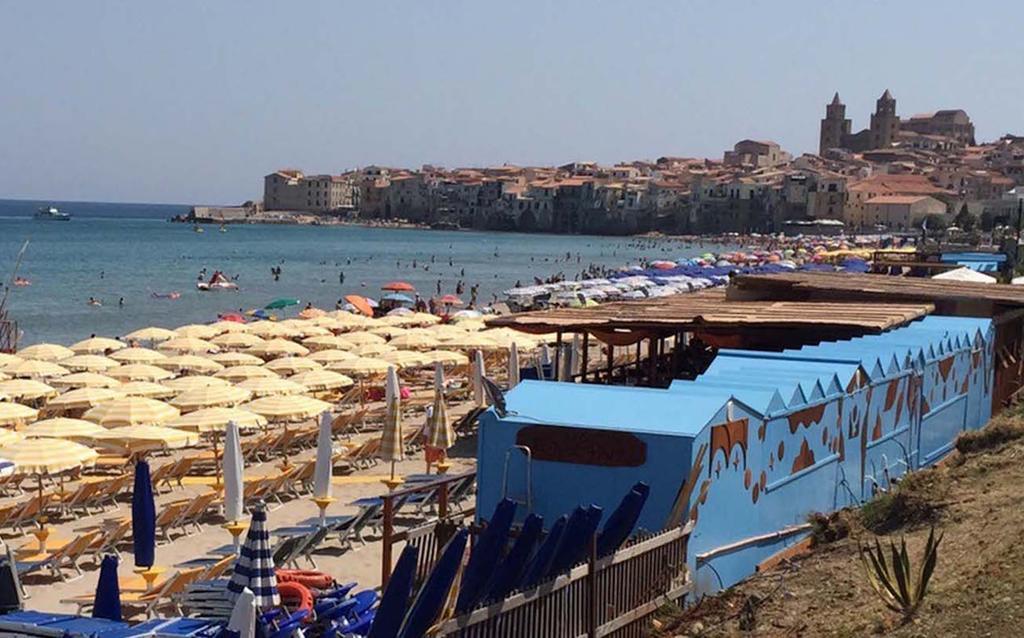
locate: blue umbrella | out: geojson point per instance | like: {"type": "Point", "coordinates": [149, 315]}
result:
{"type": "Point", "coordinates": [395, 599]}
{"type": "Point", "coordinates": [107, 603]}
{"type": "Point", "coordinates": [395, 296]}
{"type": "Point", "coordinates": [143, 517]}
{"type": "Point", "coordinates": [255, 565]}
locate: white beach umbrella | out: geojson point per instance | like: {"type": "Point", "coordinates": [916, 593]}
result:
{"type": "Point", "coordinates": [243, 615]}
{"type": "Point", "coordinates": [513, 366]}
{"type": "Point", "coordinates": [233, 474]}
{"type": "Point", "coordinates": [479, 394]}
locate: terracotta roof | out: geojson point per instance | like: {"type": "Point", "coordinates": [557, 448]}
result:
{"type": "Point", "coordinates": [897, 199]}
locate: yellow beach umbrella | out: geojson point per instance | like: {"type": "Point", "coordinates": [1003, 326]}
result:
{"type": "Point", "coordinates": [237, 340]}
{"type": "Point", "coordinates": [225, 327]}
{"type": "Point", "coordinates": [146, 389]}
{"type": "Point", "coordinates": [322, 380]}
{"type": "Point", "coordinates": [472, 342]}
{"type": "Point", "coordinates": [265, 386]}
{"type": "Point", "coordinates": [311, 330]}
{"type": "Point", "coordinates": [363, 338]}
{"type": "Point", "coordinates": [89, 363]}
{"type": "Point", "coordinates": [424, 319]}
{"type": "Point", "coordinates": [48, 456]}
{"type": "Point", "coordinates": [16, 414]}
{"type": "Point", "coordinates": [447, 357]}
{"type": "Point", "coordinates": [131, 411]}
{"type": "Point", "coordinates": [46, 352]}
{"type": "Point", "coordinates": [241, 373]}
{"type": "Point", "coordinates": [197, 331]}
{"type": "Point", "coordinates": [214, 396]}
{"type": "Point", "coordinates": [85, 380]}
{"type": "Point", "coordinates": [388, 332]}
{"type": "Point", "coordinates": [292, 365]}
{"type": "Point", "coordinates": [26, 390]}
{"type": "Point", "coordinates": [372, 349]}
{"type": "Point", "coordinates": [152, 334]}
{"type": "Point", "coordinates": [34, 369]}
{"type": "Point", "coordinates": [8, 436]}
{"type": "Point", "coordinates": [230, 359]}
{"type": "Point", "coordinates": [147, 437]}
{"type": "Point", "coordinates": [190, 363]}
{"type": "Point", "coordinates": [405, 359]}
{"type": "Point", "coordinates": [216, 419]}
{"type": "Point", "coordinates": [188, 345]}
{"type": "Point", "coordinates": [329, 342]}
{"type": "Point", "coordinates": [283, 408]}
{"type": "Point", "coordinates": [195, 382]}
{"type": "Point", "coordinates": [139, 372]}
{"type": "Point", "coordinates": [361, 367]}
{"type": "Point", "coordinates": [81, 399]}
{"type": "Point", "coordinates": [97, 345]}
{"type": "Point", "coordinates": [327, 357]}
{"type": "Point", "coordinates": [137, 355]}
{"type": "Point", "coordinates": [61, 428]}
{"type": "Point", "coordinates": [278, 348]}
{"type": "Point", "coordinates": [415, 341]}
{"type": "Point", "coordinates": [6, 359]}
{"type": "Point", "coordinates": [271, 330]}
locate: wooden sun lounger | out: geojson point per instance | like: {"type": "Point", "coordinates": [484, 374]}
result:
{"type": "Point", "coordinates": [195, 510]}
{"type": "Point", "coordinates": [168, 516]}
{"type": "Point", "coordinates": [111, 535]}
{"type": "Point", "coordinates": [57, 560]}
{"type": "Point", "coordinates": [28, 511]}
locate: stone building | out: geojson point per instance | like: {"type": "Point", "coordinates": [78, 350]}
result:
{"type": "Point", "coordinates": [951, 123]}
{"type": "Point", "coordinates": [902, 212]}
{"type": "Point", "coordinates": [756, 154]}
{"type": "Point", "coordinates": [290, 189]}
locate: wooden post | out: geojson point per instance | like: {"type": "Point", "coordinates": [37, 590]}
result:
{"type": "Point", "coordinates": [585, 360]}
{"type": "Point", "coordinates": [387, 524]}
{"type": "Point", "coordinates": [592, 588]}
{"type": "Point", "coordinates": [557, 365]}
{"type": "Point", "coordinates": [611, 363]}
{"type": "Point", "coordinates": [652, 362]}
{"type": "Point", "coordinates": [639, 343]}
{"type": "Point", "coordinates": [442, 501]}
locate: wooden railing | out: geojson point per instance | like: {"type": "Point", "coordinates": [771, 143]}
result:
{"type": "Point", "coordinates": [430, 537]}
{"type": "Point", "coordinates": [613, 597]}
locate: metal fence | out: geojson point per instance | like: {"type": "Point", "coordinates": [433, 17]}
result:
{"type": "Point", "coordinates": [612, 597]}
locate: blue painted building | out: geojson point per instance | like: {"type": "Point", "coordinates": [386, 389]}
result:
{"type": "Point", "coordinates": [753, 445]}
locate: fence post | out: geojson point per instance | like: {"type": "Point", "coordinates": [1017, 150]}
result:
{"type": "Point", "coordinates": [442, 501]}
{"type": "Point", "coordinates": [592, 588]}
{"type": "Point", "coordinates": [388, 530]}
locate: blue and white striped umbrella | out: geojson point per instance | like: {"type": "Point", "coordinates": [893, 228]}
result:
{"type": "Point", "coordinates": [6, 467]}
{"type": "Point", "coordinates": [255, 565]}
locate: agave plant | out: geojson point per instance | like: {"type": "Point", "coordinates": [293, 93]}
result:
{"type": "Point", "coordinates": [893, 580]}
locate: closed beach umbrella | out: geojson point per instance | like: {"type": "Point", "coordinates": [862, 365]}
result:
{"type": "Point", "coordinates": [391, 445]}
{"type": "Point", "coordinates": [143, 517]}
{"type": "Point", "coordinates": [188, 345]}
{"type": "Point", "coordinates": [440, 436]}
{"type": "Point", "coordinates": [149, 437]}
{"type": "Point", "coordinates": [46, 352]}
{"type": "Point", "coordinates": [26, 390]}
{"type": "Point", "coordinates": [231, 359]}
{"type": "Point", "coordinates": [234, 485]}
{"type": "Point", "coordinates": [47, 456]}
{"type": "Point", "coordinates": [97, 345]}
{"type": "Point", "coordinates": [292, 365]}
{"type": "Point", "coordinates": [243, 615]}
{"type": "Point", "coordinates": [213, 396]}
{"type": "Point", "coordinates": [195, 382]}
{"type": "Point", "coordinates": [82, 399]}
{"type": "Point", "coordinates": [327, 357]}
{"type": "Point", "coordinates": [216, 419]}
{"type": "Point", "coordinates": [131, 411]}
{"type": "Point", "coordinates": [197, 331]}
{"type": "Point", "coordinates": [89, 363]}
{"type": "Point", "coordinates": [61, 428]}
{"type": "Point", "coordinates": [152, 334]}
{"type": "Point", "coordinates": [324, 467]}
{"type": "Point", "coordinates": [236, 340]}
{"type": "Point", "coordinates": [34, 369]}
{"type": "Point", "coordinates": [513, 366]}
{"type": "Point", "coordinates": [267, 386]}
{"type": "Point", "coordinates": [283, 408]}
{"type": "Point", "coordinates": [146, 389]}
{"type": "Point", "coordinates": [139, 372]}
{"type": "Point", "coordinates": [16, 415]}
{"type": "Point", "coordinates": [255, 566]}
{"type": "Point", "coordinates": [322, 380]}
{"type": "Point", "coordinates": [190, 364]}
{"type": "Point", "coordinates": [137, 355]}
{"type": "Point", "coordinates": [106, 602]}
{"type": "Point", "coordinates": [235, 374]}
{"type": "Point", "coordinates": [479, 394]}
{"type": "Point", "coordinates": [85, 380]}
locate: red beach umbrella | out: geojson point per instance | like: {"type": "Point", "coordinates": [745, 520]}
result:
{"type": "Point", "coordinates": [450, 300]}
{"type": "Point", "coordinates": [398, 286]}
{"type": "Point", "coordinates": [361, 304]}
{"type": "Point", "coordinates": [232, 316]}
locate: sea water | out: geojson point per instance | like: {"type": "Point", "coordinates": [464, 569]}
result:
{"type": "Point", "coordinates": [115, 251]}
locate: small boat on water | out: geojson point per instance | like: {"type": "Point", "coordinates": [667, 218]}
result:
{"type": "Point", "coordinates": [52, 213]}
{"type": "Point", "coordinates": [218, 281]}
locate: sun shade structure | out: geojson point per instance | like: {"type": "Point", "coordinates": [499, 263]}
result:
{"type": "Point", "coordinates": [278, 348]}
{"type": "Point", "coordinates": [392, 447]}
{"type": "Point", "coordinates": [272, 330]}
{"type": "Point", "coordinates": [266, 386]}
{"type": "Point", "coordinates": [97, 345]}
{"type": "Point", "coordinates": [26, 390]}
{"type": "Point", "coordinates": [81, 399]}
{"type": "Point", "coordinates": [237, 340]}
{"type": "Point", "coordinates": [440, 434]}
{"type": "Point", "coordinates": [405, 359]}
{"type": "Point", "coordinates": [225, 327]}
{"type": "Point", "coordinates": [6, 438]}
{"type": "Point", "coordinates": [16, 415]}
{"type": "Point", "coordinates": [232, 359]}
{"type": "Point", "coordinates": [184, 384]}
{"type": "Point", "coordinates": [197, 331]}
{"type": "Point", "coordinates": [447, 357]}
{"type": "Point", "coordinates": [363, 338]}
{"type": "Point", "coordinates": [48, 456]}
{"type": "Point", "coordinates": [472, 342]}
{"type": "Point", "coordinates": [131, 411]}
{"type": "Point", "coordinates": [372, 349]}
{"type": "Point", "coordinates": [85, 380]}
{"type": "Point", "coordinates": [137, 355]}
{"type": "Point", "coordinates": [34, 369]}
{"type": "Point", "coordinates": [190, 364]}
{"type": "Point", "coordinates": [46, 352]}
{"type": "Point", "coordinates": [139, 372]}
{"type": "Point", "coordinates": [88, 363]}
{"type": "Point", "coordinates": [283, 408]}
{"type": "Point", "coordinates": [216, 419]}
{"type": "Point", "coordinates": [322, 380]}
{"type": "Point", "coordinates": [235, 374]}
{"type": "Point", "coordinates": [188, 345]}
{"type": "Point", "coordinates": [415, 341]}
{"type": "Point", "coordinates": [152, 334]}
{"type": "Point", "coordinates": [328, 342]}
{"type": "Point", "coordinates": [361, 367]}
{"type": "Point", "coordinates": [327, 357]}
{"type": "Point", "coordinates": [214, 396]}
{"type": "Point", "coordinates": [146, 389]}
{"type": "Point", "coordinates": [292, 365]}
{"type": "Point", "coordinates": [6, 359]}
{"type": "Point", "coordinates": [150, 436]}
{"type": "Point", "coordinates": [61, 428]}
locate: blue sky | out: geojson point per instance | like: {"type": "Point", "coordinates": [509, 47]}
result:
{"type": "Point", "coordinates": [192, 102]}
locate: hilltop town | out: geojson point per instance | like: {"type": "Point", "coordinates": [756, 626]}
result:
{"type": "Point", "coordinates": [891, 176]}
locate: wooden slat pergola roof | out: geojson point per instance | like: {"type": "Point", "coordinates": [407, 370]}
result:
{"type": "Point", "coordinates": [884, 288]}
{"type": "Point", "coordinates": [710, 310]}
